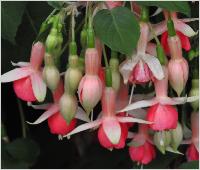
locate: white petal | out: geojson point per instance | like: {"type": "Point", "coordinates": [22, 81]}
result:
{"type": "Point", "coordinates": [40, 107]}
{"type": "Point", "coordinates": [21, 64]}
{"type": "Point", "coordinates": [84, 127]}
{"type": "Point", "coordinates": [158, 29]}
{"type": "Point", "coordinates": [154, 66]}
{"type": "Point", "coordinates": [131, 119]}
{"type": "Point", "coordinates": [139, 104]}
{"type": "Point", "coordinates": [52, 110]}
{"type": "Point", "coordinates": [158, 11]}
{"type": "Point", "coordinates": [169, 149]}
{"type": "Point", "coordinates": [112, 130]}
{"type": "Point", "coordinates": [184, 28]}
{"type": "Point", "coordinates": [177, 100]}
{"type": "Point", "coordinates": [189, 19]}
{"type": "Point", "coordinates": [81, 115]}
{"type": "Point", "coordinates": [16, 74]}
{"type": "Point", "coordinates": [138, 97]}
{"type": "Point", "coordinates": [192, 98]}
{"type": "Point", "coordinates": [126, 68]}
{"type": "Point", "coordinates": [39, 87]}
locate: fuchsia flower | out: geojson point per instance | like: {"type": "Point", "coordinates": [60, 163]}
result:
{"type": "Point", "coordinates": [141, 148]}
{"type": "Point", "coordinates": [56, 122]}
{"type": "Point", "coordinates": [28, 83]}
{"type": "Point", "coordinates": [183, 31]}
{"type": "Point", "coordinates": [192, 152]}
{"type": "Point", "coordinates": [112, 133]}
{"type": "Point", "coordinates": [90, 87]}
{"type": "Point", "coordinates": [142, 67]}
{"type": "Point", "coordinates": [177, 67]}
{"type": "Point", "coordinates": [163, 115]}
{"type": "Point", "coordinates": [113, 4]}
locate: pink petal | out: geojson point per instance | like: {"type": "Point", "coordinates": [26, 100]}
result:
{"type": "Point", "coordinates": [84, 127]}
{"type": "Point", "coordinates": [39, 87]}
{"type": "Point", "coordinates": [131, 119]}
{"type": "Point", "coordinates": [16, 74]}
{"type": "Point", "coordinates": [184, 28]}
{"type": "Point", "coordinates": [189, 19]}
{"type": "Point", "coordinates": [131, 135]}
{"type": "Point", "coordinates": [112, 129]}
{"type": "Point", "coordinates": [40, 107]}
{"type": "Point", "coordinates": [158, 29]}
{"type": "Point", "coordinates": [151, 49]}
{"type": "Point", "coordinates": [186, 142]}
{"type": "Point", "coordinates": [137, 141]}
{"type": "Point", "coordinates": [52, 110]}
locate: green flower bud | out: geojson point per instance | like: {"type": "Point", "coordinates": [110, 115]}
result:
{"type": "Point", "coordinates": [52, 41]}
{"type": "Point", "coordinates": [68, 106]}
{"type": "Point", "coordinates": [162, 140]}
{"type": "Point", "coordinates": [195, 92]}
{"type": "Point", "coordinates": [83, 38]}
{"type": "Point", "coordinates": [176, 136]}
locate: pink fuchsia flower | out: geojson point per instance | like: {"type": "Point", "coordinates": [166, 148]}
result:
{"type": "Point", "coordinates": [90, 87]}
{"type": "Point", "coordinates": [27, 80]}
{"type": "Point", "coordinates": [141, 148]}
{"type": "Point", "coordinates": [113, 4]}
{"type": "Point", "coordinates": [192, 152]}
{"type": "Point", "coordinates": [177, 67]}
{"type": "Point", "coordinates": [161, 112]}
{"type": "Point", "coordinates": [56, 122]}
{"type": "Point", "coordinates": [142, 67]}
{"type": "Point", "coordinates": [112, 133]}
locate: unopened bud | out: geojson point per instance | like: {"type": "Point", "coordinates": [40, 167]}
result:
{"type": "Point", "coordinates": [162, 139]}
{"type": "Point", "coordinates": [176, 136]}
{"type": "Point", "coordinates": [68, 107]}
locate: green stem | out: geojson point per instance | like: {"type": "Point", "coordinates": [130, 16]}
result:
{"type": "Point", "coordinates": [105, 56]}
{"type": "Point", "coordinates": [31, 22]}
{"type": "Point", "coordinates": [23, 125]}
{"type": "Point", "coordinates": [73, 26]}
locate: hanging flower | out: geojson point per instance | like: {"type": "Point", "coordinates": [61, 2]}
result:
{"type": "Point", "coordinates": [112, 133]}
{"type": "Point", "coordinates": [142, 67]}
{"type": "Point", "coordinates": [141, 148]}
{"type": "Point", "coordinates": [27, 80]}
{"type": "Point", "coordinates": [183, 31]}
{"type": "Point", "coordinates": [56, 122]}
{"type": "Point", "coordinates": [90, 87]}
{"type": "Point", "coordinates": [163, 115]}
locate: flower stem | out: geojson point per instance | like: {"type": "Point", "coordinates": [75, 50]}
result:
{"type": "Point", "coordinates": [105, 56]}
{"type": "Point", "coordinates": [23, 125]}
{"type": "Point", "coordinates": [154, 35]}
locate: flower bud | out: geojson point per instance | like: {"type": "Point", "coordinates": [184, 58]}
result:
{"type": "Point", "coordinates": [162, 140]}
{"type": "Point", "coordinates": [176, 136]}
{"type": "Point", "coordinates": [51, 41]}
{"type": "Point", "coordinates": [90, 92]}
{"type": "Point", "coordinates": [195, 92]}
{"type": "Point", "coordinates": [73, 75]}
{"type": "Point", "coordinates": [178, 74]}
{"type": "Point", "coordinates": [68, 107]}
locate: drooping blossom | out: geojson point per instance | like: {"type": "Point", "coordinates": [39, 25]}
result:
{"type": "Point", "coordinates": [178, 68]}
{"type": "Point", "coordinates": [56, 122]}
{"type": "Point", "coordinates": [112, 132]}
{"type": "Point", "coordinates": [142, 67]}
{"type": "Point", "coordinates": [183, 31]}
{"type": "Point", "coordinates": [90, 87]}
{"type": "Point", "coordinates": [192, 152]}
{"type": "Point", "coordinates": [141, 148]}
{"type": "Point", "coordinates": [27, 80]}
{"type": "Point", "coordinates": [163, 115]}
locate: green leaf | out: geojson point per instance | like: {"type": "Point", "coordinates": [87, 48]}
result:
{"type": "Point", "coordinates": [56, 4]}
{"type": "Point", "coordinates": [178, 6]}
{"type": "Point", "coordinates": [190, 165]}
{"type": "Point", "coordinates": [118, 29]}
{"type": "Point", "coordinates": [11, 16]}
{"type": "Point", "coordinates": [23, 150]}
